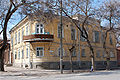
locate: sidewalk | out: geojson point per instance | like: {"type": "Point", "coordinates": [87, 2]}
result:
{"type": "Point", "coordinates": [15, 71]}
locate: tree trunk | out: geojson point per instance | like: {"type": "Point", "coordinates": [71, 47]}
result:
{"type": "Point", "coordinates": [2, 59]}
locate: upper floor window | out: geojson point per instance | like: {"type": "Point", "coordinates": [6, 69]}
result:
{"type": "Point", "coordinates": [103, 37]}
{"type": "Point", "coordinates": [83, 53]}
{"type": "Point", "coordinates": [26, 30]}
{"type": "Point", "coordinates": [27, 53]}
{"type": "Point", "coordinates": [81, 37]}
{"type": "Point", "coordinates": [18, 36]}
{"type": "Point", "coordinates": [59, 31]}
{"type": "Point", "coordinates": [96, 36]}
{"type": "Point", "coordinates": [39, 28]}
{"type": "Point", "coordinates": [22, 33]}
{"type": "Point", "coordinates": [39, 51]}
{"type": "Point", "coordinates": [73, 34]}
{"type": "Point", "coordinates": [110, 38]}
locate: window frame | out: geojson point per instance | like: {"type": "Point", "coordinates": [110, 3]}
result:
{"type": "Point", "coordinates": [73, 34]}
{"type": "Point", "coordinates": [26, 28]}
{"type": "Point", "coordinates": [39, 28]}
{"type": "Point", "coordinates": [22, 33]}
{"type": "Point", "coordinates": [39, 51]}
{"type": "Point", "coordinates": [23, 54]}
{"type": "Point", "coordinates": [59, 51]}
{"type": "Point", "coordinates": [15, 37]}
{"type": "Point", "coordinates": [95, 38]}
{"type": "Point", "coordinates": [58, 34]}
{"type": "Point", "coordinates": [18, 36]}
{"type": "Point", "coordinates": [98, 53]}
{"type": "Point", "coordinates": [18, 53]}
{"type": "Point", "coordinates": [110, 39]}
{"type": "Point", "coordinates": [82, 52]}
{"type": "Point", "coordinates": [27, 51]}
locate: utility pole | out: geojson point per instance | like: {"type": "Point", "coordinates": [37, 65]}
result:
{"type": "Point", "coordinates": [61, 46]}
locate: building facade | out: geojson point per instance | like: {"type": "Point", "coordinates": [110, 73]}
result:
{"type": "Point", "coordinates": [36, 44]}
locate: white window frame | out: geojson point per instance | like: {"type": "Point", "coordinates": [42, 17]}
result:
{"type": "Point", "coordinates": [73, 38]}
{"type": "Point", "coordinates": [23, 55]}
{"type": "Point", "coordinates": [15, 56]}
{"type": "Point", "coordinates": [58, 32]}
{"type": "Point", "coordinates": [22, 33]}
{"type": "Point", "coordinates": [110, 39]}
{"type": "Point", "coordinates": [39, 51]}
{"type": "Point", "coordinates": [82, 54]}
{"type": "Point", "coordinates": [26, 29]}
{"type": "Point", "coordinates": [18, 53]}
{"type": "Point", "coordinates": [94, 35]}
{"type": "Point", "coordinates": [27, 52]}
{"type": "Point", "coordinates": [39, 28]}
{"type": "Point", "coordinates": [18, 36]}
{"type": "Point", "coordinates": [15, 37]}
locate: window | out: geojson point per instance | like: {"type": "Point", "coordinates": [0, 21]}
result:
{"type": "Point", "coordinates": [22, 54]}
{"type": "Point", "coordinates": [82, 38]}
{"type": "Point", "coordinates": [59, 30]}
{"type": "Point", "coordinates": [22, 33]}
{"type": "Point", "coordinates": [39, 51]}
{"type": "Point", "coordinates": [110, 39]}
{"type": "Point", "coordinates": [104, 54]}
{"type": "Point", "coordinates": [19, 54]}
{"type": "Point", "coordinates": [59, 50]}
{"type": "Point", "coordinates": [15, 55]}
{"type": "Point", "coordinates": [112, 55]}
{"type": "Point", "coordinates": [12, 42]}
{"type": "Point", "coordinates": [96, 36]}
{"type": "Point", "coordinates": [74, 52]}
{"type": "Point", "coordinates": [83, 53]}
{"type": "Point", "coordinates": [27, 53]}
{"type": "Point", "coordinates": [73, 34]}
{"type": "Point", "coordinates": [39, 28]}
{"type": "Point", "coordinates": [19, 36]}
{"type": "Point", "coordinates": [98, 54]}
{"type": "Point", "coordinates": [26, 30]}
{"type": "Point", "coordinates": [102, 37]}
{"type": "Point", "coordinates": [16, 38]}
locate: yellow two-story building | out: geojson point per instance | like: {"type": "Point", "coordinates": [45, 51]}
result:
{"type": "Point", "coordinates": [36, 43]}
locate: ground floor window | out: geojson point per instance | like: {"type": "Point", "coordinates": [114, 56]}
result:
{"type": "Point", "coordinates": [39, 51]}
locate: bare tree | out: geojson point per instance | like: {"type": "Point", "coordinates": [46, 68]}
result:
{"type": "Point", "coordinates": [85, 11]}
{"type": "Point", "coordinates": [8, 8]}
{"type": "Point", "coordinates": [109, 12]}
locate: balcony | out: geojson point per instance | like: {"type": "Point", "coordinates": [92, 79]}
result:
{"type": "Point", "coordinates": [38, 38]}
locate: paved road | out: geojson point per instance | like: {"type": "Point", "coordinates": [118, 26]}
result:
{"type": "Point", "coordinates": [23, 74]}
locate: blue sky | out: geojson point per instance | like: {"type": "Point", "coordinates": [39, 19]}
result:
{"type": "Point", "coordinates": [17, 18]}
